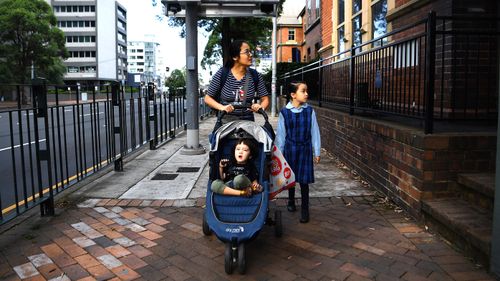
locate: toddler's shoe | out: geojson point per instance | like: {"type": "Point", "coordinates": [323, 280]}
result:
{"type": "Point", "coordinates": [304, 215]}
{"type": "Point", "coordinates": [291, 206]}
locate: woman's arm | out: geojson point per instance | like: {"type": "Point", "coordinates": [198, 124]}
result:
{"type": "Point", "coordinates": [210, 101]}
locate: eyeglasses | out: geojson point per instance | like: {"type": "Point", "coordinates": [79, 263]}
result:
{"type": "Point", "coordinates": [247, 52]}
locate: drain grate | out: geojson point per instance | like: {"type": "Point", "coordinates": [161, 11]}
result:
{"type": "Point", "coordinates": [164, 177]}
{"type": "Point", "coordinates": [188, 169]}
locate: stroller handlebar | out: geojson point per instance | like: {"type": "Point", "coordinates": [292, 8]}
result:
{"type": "Point", "coordinates": [221, 113]}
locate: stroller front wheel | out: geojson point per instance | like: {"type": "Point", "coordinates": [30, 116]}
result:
{"type": "Point", "coordinates": [228, 259]}
{"type": "Point", "coordinates": [242, 264]}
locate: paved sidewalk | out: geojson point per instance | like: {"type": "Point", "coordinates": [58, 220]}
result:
{"type": "Point", "coordinates": [129, 226]}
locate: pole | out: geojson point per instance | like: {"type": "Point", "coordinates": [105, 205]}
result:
{"type": "Point", "coordinates": [273, 79]}
{"type": "Point", "coordinates": [192, 146]}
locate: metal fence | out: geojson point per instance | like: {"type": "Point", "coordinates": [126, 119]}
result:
{"type": "Point", "coordinates": [439, 68]}
{"type": "Point", "coordinates": [58, 135]}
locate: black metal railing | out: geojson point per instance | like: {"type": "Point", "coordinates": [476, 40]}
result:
{"type": "Point", "coordinates": [438, 68]}
{"type": "Point", "coordinates": [58, 135]}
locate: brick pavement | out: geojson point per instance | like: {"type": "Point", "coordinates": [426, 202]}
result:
{"type": "Point", "coordinates": [348, 238]}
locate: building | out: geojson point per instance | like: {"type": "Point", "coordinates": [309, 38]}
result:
{"type": "Point", "coordinates": [96, 39]}
{"type": "Point", "coordinates": [311, 19]}
{"type": "Point", "coordinates": [143, 61]}
{"type": "Point", "coordinates": [290, 35]}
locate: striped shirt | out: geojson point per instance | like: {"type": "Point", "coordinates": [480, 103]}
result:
{"type": "Point", "coordinates": [231, 88]}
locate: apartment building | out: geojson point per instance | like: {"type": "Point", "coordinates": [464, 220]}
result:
{"type": "Point", "coordinates": [96, 39]}
{"type": "Point", "coordinates": [143, 61]}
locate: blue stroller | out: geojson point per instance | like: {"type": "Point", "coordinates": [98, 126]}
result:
{"type": "Point", "coordinates": [236, 220]}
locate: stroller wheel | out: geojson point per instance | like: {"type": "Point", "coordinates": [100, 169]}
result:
{"type": "Point", "coordinates": [242, 264]}
{"type": "Point", "coordinates": [228, 259]}
{"type": "Point", "coordinates": [278, 226]}
{"type": "Point", "coordinates": [206, 229]}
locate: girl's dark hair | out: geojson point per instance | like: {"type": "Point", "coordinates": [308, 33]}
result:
{"type": "Point", "coordinates": [293, 87]}
{"type": "Point", "coordinates": [234, 51]}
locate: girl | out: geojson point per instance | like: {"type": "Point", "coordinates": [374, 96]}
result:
{"type": "Point", "coordinates": [299, 139]}
{"type": "Point", "coordinates": [239, 175]}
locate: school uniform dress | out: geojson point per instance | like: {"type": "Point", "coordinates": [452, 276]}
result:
{"type": "Point", "coordinates": [298, 138]}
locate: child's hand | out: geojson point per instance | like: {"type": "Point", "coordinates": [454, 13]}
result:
{"type": "Point", "coordinates": [316, 159]}
{"type": "Point", "coordinates": [256, 187]}
{"type": "Point", "coordinates": [223, 163]}
{"type": "Point", "coordinates": [247, 192]}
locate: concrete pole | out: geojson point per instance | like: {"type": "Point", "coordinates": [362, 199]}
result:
{"type": "Point", "coordinates": [495, 235]}
{"type": "Point", "coordinates": [273, 79]}
{"type": "Point", "coordinates": [192, 146]}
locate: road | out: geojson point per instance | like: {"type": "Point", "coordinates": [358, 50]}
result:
{"type": "Point", "coordinates": [80, 141]}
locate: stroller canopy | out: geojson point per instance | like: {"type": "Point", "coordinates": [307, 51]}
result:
{"type": "Point", "coordinates": [252, 128]}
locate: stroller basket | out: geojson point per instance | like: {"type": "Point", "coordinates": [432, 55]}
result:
{"type": "Point", "coordinates": [229, 209]}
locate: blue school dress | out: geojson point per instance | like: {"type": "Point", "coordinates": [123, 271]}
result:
{"type": "Point", "coordinates": [297, 146]}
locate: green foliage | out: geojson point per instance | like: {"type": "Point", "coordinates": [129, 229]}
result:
{"type": "Point", "coordinates": [28, 35]}
{"type": "Point", "coordinates": [176, 79]}
{"type": "Point", "coordinates": [256, 31]}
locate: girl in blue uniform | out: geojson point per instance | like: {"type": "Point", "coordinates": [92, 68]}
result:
{"type": "Point", "coordinates": [299, 140]}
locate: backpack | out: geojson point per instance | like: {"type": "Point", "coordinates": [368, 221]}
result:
{"type": "Point", "coordinates": [225, 73]}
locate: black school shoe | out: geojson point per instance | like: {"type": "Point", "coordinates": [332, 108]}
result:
{"type": "Point", "coordinates": [304, 215]}
{"type": "Point", "coordinates": [291, 206]}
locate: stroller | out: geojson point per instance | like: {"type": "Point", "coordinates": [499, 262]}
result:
{"type": "Point", "coordinates": [237, 220]}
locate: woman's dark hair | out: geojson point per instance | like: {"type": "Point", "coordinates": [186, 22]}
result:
{"type": "Point", "coordinates": [234, 51]}
{"type": "Point", "coordinates": [293, 87]}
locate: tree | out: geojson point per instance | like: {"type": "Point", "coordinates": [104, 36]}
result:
{"type": "Point", "coordinates": [176, 79]}
{"type": "Point", "coordinates": [29, 37]}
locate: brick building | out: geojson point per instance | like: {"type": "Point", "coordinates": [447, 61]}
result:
{"type": "Point", "coordinates": [290, 37]}
{"type": "Point", "coordinates": [374, 101]}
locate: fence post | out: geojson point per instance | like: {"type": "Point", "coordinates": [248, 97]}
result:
{"type": "Point", "coordinates": [117, 130]}
{"type": "Point", "coordinates": [41, 111]}
{"type": "Point", "coordinates": [153, 118]}
{"type": "Point", "coordinates": [320, 81]}
{"type": "Point", "coordinates": [351, 80]}
{"type": "Point", "coordinates": [429, 72]}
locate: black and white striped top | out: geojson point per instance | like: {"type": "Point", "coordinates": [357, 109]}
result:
{"type": "Point", "coordinates": [232, 87]}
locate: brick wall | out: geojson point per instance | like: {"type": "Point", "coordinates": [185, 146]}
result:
{"type": "Point", "coordinates": [326, 22]}
{"type": "Point", "coordinates": [404, 163]}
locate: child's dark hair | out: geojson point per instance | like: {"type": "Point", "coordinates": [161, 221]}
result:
{"type": "Point", "coordinates": [234, 51]}
{"type": "Point", "coordinates": [247, 142]}
{"type": "Point", "coordinates": [293, 87]}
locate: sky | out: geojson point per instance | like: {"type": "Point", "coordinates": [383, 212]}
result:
{"type": "Point", "coordinates": [145, 20]}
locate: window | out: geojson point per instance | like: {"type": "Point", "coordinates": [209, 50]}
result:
{"type": "Point", "coordinates": [356, 28]}
{"type": "Point", "coordinates": [291, 34]}
{"type": "Point", "coordinates": [341, 39]}
{"type": "Point", "coordinates": [356, 6]}
{"type": "Point", "coordinates": [406, 54]}
{"type": "Point", "coordinates": [318, 5]}
{"type": "Point", "coordinates": [379, 24]}
{"type": "Point", "coordinates": [341, 15]}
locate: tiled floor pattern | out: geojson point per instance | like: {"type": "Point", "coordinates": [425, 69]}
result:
{"type": "Point", "coordinates": [348, 238]}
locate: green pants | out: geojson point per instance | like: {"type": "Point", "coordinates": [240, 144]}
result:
{"type": "Point", "coordinates": [239, 182]}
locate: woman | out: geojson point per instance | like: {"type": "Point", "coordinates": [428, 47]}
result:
{"type": "Point", "coordinates": [237, 82]}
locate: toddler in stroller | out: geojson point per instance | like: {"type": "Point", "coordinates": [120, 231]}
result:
{"type": "Point", "coordinates": [236, 220]}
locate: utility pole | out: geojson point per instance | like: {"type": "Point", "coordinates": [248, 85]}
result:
{"type": "Point", "coordinates": [192, 146]}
